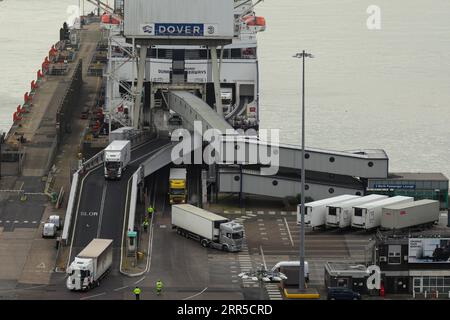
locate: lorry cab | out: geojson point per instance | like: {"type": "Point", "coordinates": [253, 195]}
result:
{"type": "Point", "coordinates": [231, 235]}
{"type": "Point", "coordinates": [80, 274]}
{"type": "Point", "coordinates": [226, 95]}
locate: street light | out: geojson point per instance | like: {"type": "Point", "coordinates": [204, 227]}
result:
{"type": "Point", "coordinates": [301, 283]}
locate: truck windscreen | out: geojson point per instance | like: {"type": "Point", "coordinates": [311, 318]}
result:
{"type": "Point", "coordinates": [238, 235]}
{"type": "Point", "coordinates": [177, 191]}
{"type": "Point", "coordinates": [358, 212]}
{"type": "Point", "coordinates": [112, 165]}
{"type": "Point", "coordinates": [332, 211]}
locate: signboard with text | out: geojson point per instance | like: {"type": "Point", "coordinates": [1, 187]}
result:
{"type": "Point", "coordinates": [429, 250]}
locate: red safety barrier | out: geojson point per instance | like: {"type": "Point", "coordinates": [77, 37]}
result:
{"type": "Point", "coordinates": [26, 97]}
{"type": "Point", "coordinates": [16, 117]}
{"type": "Point", "coordinates": [39, 74]}
{"type": "Point", "coordinates": [34, 85]}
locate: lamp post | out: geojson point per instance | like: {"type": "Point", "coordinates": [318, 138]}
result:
{"type": "Point", "coordinates": [301, 283]}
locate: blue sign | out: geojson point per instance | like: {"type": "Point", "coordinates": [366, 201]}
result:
{"type": "Point", "coordinates": [179, 29]}
{"type": "Point", "coordinates": [395, 186]}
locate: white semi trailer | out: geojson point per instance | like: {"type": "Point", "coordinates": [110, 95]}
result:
{"type": "Point", "coordinates": [406, 215]}
{"type": "Point", "coordinates": [315, 212]}
{"type": "Point", "coordinates": [90, 265]}
{"type": "Point", "coordinates": [210, 229]}
{"type": "Point", "coordinates": [339, 215]}
{"type": "Point", "coordinates": [368, 216]}
{"type": "Point", "coordinates": [117, 157]}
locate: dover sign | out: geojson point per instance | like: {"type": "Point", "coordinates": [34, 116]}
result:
{"type": "Point", "coordinates": [179, 29]}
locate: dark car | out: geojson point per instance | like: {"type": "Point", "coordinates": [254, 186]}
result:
{"type": "Point", "coordinates": [341, 293]}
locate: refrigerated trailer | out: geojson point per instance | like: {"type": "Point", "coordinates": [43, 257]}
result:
{"type": "Point", "coordinates": [368, 216]}
{"type": "Point", "coordinates": [315, 211]}
{"type": "Point", "coordinates": [90, 265]}
{"type": "Point", "coordinates": [117, 157]}
{"type": "Point", "coordinates": [210, 229]}
{"type": "Point", "coordinates": [339, 215]}
{"type": "Point", "coordinates": [406, 215]}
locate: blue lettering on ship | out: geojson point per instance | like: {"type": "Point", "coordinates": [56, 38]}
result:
{"type": "Point", "coordinates": [179, 29]}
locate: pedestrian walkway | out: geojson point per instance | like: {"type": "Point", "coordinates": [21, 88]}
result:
{"type": "Point", "coordinates": [273, 291]}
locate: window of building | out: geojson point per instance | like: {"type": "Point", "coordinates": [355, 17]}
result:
{"type": "Point", "coordinates": [394, 254]}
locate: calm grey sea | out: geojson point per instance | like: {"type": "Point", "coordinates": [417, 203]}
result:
{"type": "Point", "coordinates": [387, 88]}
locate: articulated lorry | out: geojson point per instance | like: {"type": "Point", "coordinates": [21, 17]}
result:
{"type": "Point", "coordinates": [406, 215]}
{"type": "Point", "coordinates": [177, 185]}
{"type": "Point", "coordinates": [315, 212]}
{"type": "Point", "coordinates": [339, 215]}
{"type": "Point", "coordinates": [90, 265]}
{"type": "Point", "coordinates": [210, 229]}
{"type": "Point", "coordinates": [117, 157]}
{"type": "Point", "coordinates": [368, 216]}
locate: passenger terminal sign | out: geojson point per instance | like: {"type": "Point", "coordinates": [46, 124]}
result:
{"type": "Point", "coordinates": [429, 250]}
{"type": "Point", "coordinates": [179, 29]}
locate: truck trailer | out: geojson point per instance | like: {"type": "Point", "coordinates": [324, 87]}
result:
{"type": "Point", "coordinates": [177, 185]}
{"type": "Point", "coordinates": [339, 215]}
{"type": "Point", "coordinates": [90, 265]}
{"type": "Point", "coordinates": [417, 213]}
{"type": "Point", "coordinates": [368, 216]}
{"type": "Point", "coordinates": [210, 229]}
{"type": "Point", "coordinates": [117, 157]}
{"type": "Point", "coordinates": [315, 212]}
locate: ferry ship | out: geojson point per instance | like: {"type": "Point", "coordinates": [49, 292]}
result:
{"type": "Point", "coordinates": [238, 72]}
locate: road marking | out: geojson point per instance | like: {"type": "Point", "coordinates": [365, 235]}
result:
{"type": "Point", "coordinates": [272, 213]}
{"type": "Point", "coordinates": [289, 231]}
{"type": "Point", "coordinates": [283, 213]}
{"type": "Point", "coordinates": [16, 221]}
{"type": "Point", "coordinates": [7, 221]}
{"type": "Point", "coordinates": [121, 288]}
{"type": "Point", "coordinates": [95, 295]}
{"type": "Point", "coordinates": [197, 294]}
{"type": "Point", "coordinates": [102, 207]}
{"type": "Point", "coordinates": [260, 212]}
{"type": "Point", "coordinates": [41, 265]}
{"type": "Point", "coordinates": [34, 222]}
{"type": "Point", "coordinates": [139, 280]}
{"type": "Point", "coordinates": [263, 233]}
{"type": "Point", "coordinates": [226, 211]}
{"type": "Point", "coordinates": [237, 211]}
{"type": "Point", "coordinates": [26, 221]}
{"type": "Point", "coordinates": [263, 258]}
{"type": "Point", "coordinates": [443, 214]}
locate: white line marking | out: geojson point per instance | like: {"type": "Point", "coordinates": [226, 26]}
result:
{"type": "Point", "coordinates": [16, 221]}
{"type": "Point", "coordinates": [262, 256]}
{"type": "Point", "coordinates": [34, 222]}
{"type": "Point", "coordinates": [197, 294]}
{"type": "Point", "coordinates": [121, 288]}
{"type": "Point", "coordinates": [139, 280]}
{"type": "Point", "coordinates": [26, 221]}
{"type": "Point", "coordinates": [102, 207]}
{"type": "Point", "coordinates": [289, 231]}
{"type": "Point", "coordinates": [272, 213]}
{"type": "Point", "coordinates": [7, 221]}
{"type": "Point", "coordinates": [95, 295]}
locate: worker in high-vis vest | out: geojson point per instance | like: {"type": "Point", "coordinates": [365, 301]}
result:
{"type": "Point", "coordinates": [145, 224]}
{"type": "Point", "coordinates": [150, 211]}
{"type": "Point", "coordinates": [137, 292]}
{"type": "Point", "coordinates": [159, 287]}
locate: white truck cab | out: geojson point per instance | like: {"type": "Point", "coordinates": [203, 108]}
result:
{"type": "Point", "coordinates": [80, 274]}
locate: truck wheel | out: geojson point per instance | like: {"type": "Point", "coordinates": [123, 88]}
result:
{"type": "Point", "coordinates": [225, 248]}
{"type": "Point", "coordinates": [178, 231]}
{"type": "Point", "coordinates": [204, 243]}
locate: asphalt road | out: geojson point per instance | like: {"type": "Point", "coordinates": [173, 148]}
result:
{"type": "Point", "coordinates": [101, 206]}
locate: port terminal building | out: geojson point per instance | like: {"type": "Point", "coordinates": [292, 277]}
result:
{"type": "Point", "coordinates": [418, 185]}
